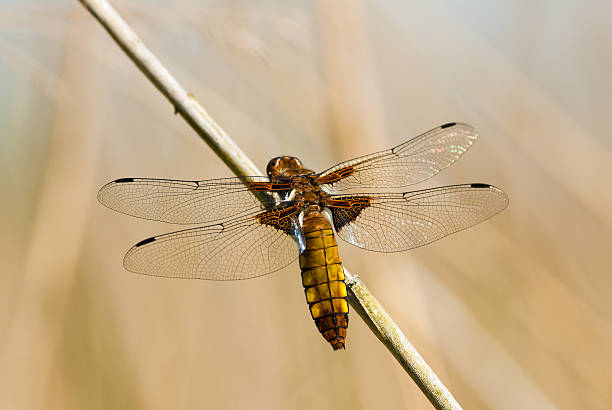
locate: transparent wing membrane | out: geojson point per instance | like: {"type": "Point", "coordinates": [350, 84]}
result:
{"type": "Point", "coordinates": [409, 163]}
{"type": "Point", "coordinates": [185, 202]}
{"type": "Point", "coordinates": [252, 239]}
{"type": "Point", "coordinates": [399, 221]}
{"type": "Point", "coordinates": [238, 249]}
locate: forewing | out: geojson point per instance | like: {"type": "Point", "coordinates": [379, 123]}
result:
{"type": "Point", "coordinates": [409, 163]}
{"type": "Point", "coordinates": [400, 221]}
{"type": "Point", "coordinates": [186, 202]}
{"type": "Point", "coordinates": [242, 248]}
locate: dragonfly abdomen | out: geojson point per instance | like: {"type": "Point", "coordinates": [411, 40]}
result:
{"type": "Point", "coordinates": [323, 280]}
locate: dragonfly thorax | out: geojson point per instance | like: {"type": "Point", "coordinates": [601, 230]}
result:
{"type": "Point", "coordinates": [308, 195]}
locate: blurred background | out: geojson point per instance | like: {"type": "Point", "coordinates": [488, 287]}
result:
{"type": "Point", "coordinates": [514, 313]}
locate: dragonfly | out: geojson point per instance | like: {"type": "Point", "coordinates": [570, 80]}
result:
{"type": "Point", "coordinates": [253, 226]}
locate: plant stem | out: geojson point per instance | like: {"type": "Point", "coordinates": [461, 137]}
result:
{"type": "Point", "coordinates": [360, 298]}
{"type": "Point", "coordinates": [389, 333]}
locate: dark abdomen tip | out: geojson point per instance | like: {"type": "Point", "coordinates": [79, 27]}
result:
{"type": "Point", "coordinates": [337, 344]}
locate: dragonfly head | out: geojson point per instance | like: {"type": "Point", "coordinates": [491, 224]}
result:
{"type": "Point", "coordinates": [285, 166]}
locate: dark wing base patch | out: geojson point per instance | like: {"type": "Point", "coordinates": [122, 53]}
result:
{"type": "Point", "coordinates": [280, 218]}
{"type": "Point", "coordinates": [346, 208]}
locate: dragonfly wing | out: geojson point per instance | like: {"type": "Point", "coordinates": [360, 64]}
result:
{"type": "Point", "coordinates": [399, 221]}
{"type": "Point", "coordinates": [186, 202]}
{"type": "Point", "coordinates": [242, 248]}
{"type": "Point", "coordinates": [409, 163]}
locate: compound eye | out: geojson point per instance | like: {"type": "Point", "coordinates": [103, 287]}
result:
{"type": "Point", "coordinates": [272, 168]}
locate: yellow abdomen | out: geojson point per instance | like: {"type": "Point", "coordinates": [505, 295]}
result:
{"type": "Point", "coordinates": [323, 280]}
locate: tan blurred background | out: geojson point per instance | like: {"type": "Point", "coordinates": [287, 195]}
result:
{"type": "Point", "coordinates": [515, 313]}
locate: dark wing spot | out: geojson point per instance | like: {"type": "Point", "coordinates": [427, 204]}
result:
{"type": "Point", "coordinates": [122, 180]}
{"type": "Point", "coordinates": [144, 242]}
{"type": "Point", "coordinates": [448, 124]}
{"type": "Point", "coordinates": [479, 185]}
